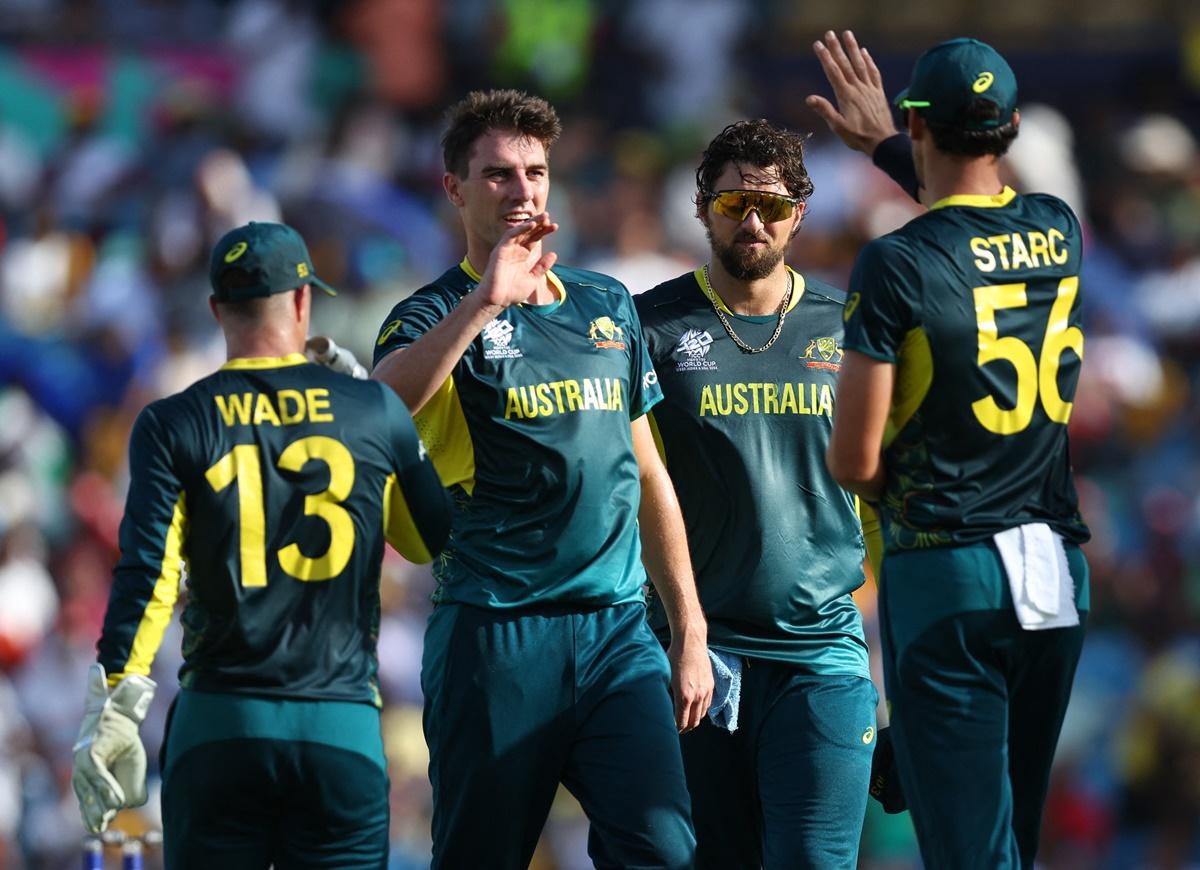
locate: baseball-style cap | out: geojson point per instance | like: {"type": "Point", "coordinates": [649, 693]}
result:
{"type": "Point", "coordinates": [259, 259]}
{"type": "Point", "coordinates": [950, 75]}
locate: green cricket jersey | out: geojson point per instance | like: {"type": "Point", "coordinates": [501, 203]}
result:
{"type": "Point", "coordinates": [532, 432]}
{"type": "Point", "coordinates": [776, 544]}
{"type": "Point", "coordinates": [276, 481]}
{"type": "Point", "coordinates": [977, 304]}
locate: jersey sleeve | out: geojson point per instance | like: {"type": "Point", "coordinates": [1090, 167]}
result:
{"type": "Point", "coordinates": [416, 507]}
{"type": "Point", "coordinates": [411, 318]}
{"type": "Point", "coordinates": [152, 538]}
{"type": "Point", "coordinates": [879, 311]}
{"type": "Point", "coordinates": [644, 390]}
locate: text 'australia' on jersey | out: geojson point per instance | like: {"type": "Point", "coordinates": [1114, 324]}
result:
{"type": "Point", "coordinates": [978, 304]}
{"type": "Point", "coordinates": [276, 481]}
{"type": "Point", "coordinates": [533, 431]}
{"type": "Point", "coordinates": [775, 542]}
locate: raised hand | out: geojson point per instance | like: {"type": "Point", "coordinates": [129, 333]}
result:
{"type": "Point", "coordinates": [517, 267]}
{"type": "Point", "coordinates": [862, 117]}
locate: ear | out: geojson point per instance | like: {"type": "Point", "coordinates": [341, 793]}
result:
{"type": "Point", "coordinates": [212, 306]}
{"type": "Point", "coordinates": [797, 219]}
{"type": "Point", "coordinates": [302, 301]}
{"type": "Point", "coordinates": [916, 125]}
{"type": "Point", "coordinates": [702, 211]}
{"type": "Point", "coordinates": [1016, 120]}
{"type": "Point", "coordinates": [450, 184]}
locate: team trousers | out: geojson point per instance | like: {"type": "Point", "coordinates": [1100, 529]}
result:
{"type": "Point", "coordinates": [517, 702]}
{"type": "Point", "coordinates": [977, 702]}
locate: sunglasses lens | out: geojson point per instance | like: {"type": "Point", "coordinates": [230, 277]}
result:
{"type": "Point", "coordinates": [736, 204]}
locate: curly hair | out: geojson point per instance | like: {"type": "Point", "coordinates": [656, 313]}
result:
{"type": "Point", "coordinates": [963, 141]}
{"type": "Point", "coordinates": [504, 109]}
{"type": "Point", "coordinates": [756, 143]}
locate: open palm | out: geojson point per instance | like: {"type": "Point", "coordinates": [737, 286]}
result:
{"type": "Point", "coordinates": [517, 267]}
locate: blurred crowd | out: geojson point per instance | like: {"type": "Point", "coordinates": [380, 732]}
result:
{"type": "Point", "coordinates": [133, 133]}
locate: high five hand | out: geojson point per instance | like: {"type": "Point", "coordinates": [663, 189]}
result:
{"type": "Point", "coordinates": [862, 117]}
{"type": "Point", "coordinates": [517, 266]}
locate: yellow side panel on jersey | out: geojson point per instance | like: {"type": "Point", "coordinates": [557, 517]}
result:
{"type": "Point", "coordinates": [658, 442]}
{"type": "Point", "coordinates": [443, 430]}
{"type": "Point", "coordinates": [398, 527]}
{"type": "Point", "coordinates": [914, 375]}
{"type": "Point", "coordinates": [162, 601]}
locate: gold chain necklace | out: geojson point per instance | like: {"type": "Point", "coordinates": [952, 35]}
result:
{"type": "Point", "coordinates": [783, 308]}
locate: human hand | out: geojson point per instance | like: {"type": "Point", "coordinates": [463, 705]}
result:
{"type": "Point", "coordinates": [691, 679]}
{"type": "Point", "coordinates": [324, 351]}
{"type": "Point", "coordinates": [517, 265]}
{"type": "Point", "coordinates": [109, 766]}
{"type": "Point", "coordinates": [862, 117]}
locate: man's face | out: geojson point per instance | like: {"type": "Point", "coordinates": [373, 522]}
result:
{"type": "Point", "coordinates": [749, 249]}
{"type": "Point", "coordinates": [507, 182]}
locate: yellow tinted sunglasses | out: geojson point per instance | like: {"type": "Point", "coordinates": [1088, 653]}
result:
{"type": "Point", "coordinates": [771, 207]}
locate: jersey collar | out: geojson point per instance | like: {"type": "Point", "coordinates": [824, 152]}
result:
{"type": "Point", "coordinates": [996, 200]}
{"type": "Point", "coordinates": [708, 291]}
{"type": "Point", "coordinates": [555, 284]}
{"type": "Point", "coordinates": [265, 362]}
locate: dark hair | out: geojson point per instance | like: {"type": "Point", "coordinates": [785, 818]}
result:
{"type": "Point", "coordinates": [481, 111]}
{"type": "Point", "coordinates": [249, 312]}
{"type": "Point", "coordinates": [965, 142]}
{"type": "Point", "coordinates": [754, 143]}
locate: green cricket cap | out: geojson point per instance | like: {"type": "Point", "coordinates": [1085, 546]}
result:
{"type": "Point", "coordinates": [950, 76]}
{"type": "Point", "coordinates": [260, 259]}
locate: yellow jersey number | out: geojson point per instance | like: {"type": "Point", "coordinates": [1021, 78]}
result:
{"type": "Point", "coordinates": [243, 465]}
{"type": "Point", "coordinates": [1034, 377]}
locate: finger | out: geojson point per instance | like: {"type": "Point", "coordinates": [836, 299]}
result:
{"type": "Point", "coordinates": [873, 74]}
{"type": "Point", "coordinates": [543, 265]}
{"type": "Point", "coordinates": [832, 72]}
{"type": "Point", "coordinates": [680, 713]}
{"type": "Point", "coordinates": [826, 110]}
{"type": "Point", "coordinates": [854, 53]}
{"type": "Point", "coordinates": [839, 56]}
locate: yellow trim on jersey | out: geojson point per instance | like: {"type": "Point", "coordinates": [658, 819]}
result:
{"type": "Point", "coordinates": [157, 614]}
{"type": "Point", "coordinates": [914, 375]}
{"type": "Point", "coordinates": [708, 291]}
{"type": "Point", "coordinates": [398, 527]}
{"type": "Point", "coordinates": [658, 442]}
{"type": "Point", "coordinates": [265, 362]}
{"type": "Point", "coordinates": [443, 429]}
{"type": "Point", "coordinates": [996, 200]}
{"type": "Point", "coordinates": [555, 284]}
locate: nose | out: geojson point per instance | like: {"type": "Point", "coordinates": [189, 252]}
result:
{"type": "Point", "coordinates": [753, 221]}
{"type": "Point", "coordinates": [525, 187]}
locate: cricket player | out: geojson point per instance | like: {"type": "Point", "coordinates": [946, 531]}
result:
{"type": "Point", "coordinates": [963, 349]}
{"type": "Point", "coordinates": [747, 351]}
{"type": "Point", "coordinates": [530, 385]}
{"type": "Point", "coordinates": [275, 481]}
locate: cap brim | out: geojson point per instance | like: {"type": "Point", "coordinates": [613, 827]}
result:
{"type": "Point", "coordinates": [317, 282]}
{"type": "Point", "coordinates": [900, 97]}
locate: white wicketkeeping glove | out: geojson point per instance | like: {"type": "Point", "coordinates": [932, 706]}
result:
{"type": "Point", "coordinates": [323, 350]}
{"type": "Point", "coordinates": [110, 761]}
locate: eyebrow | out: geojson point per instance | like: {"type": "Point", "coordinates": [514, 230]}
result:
{"type": "Point", "coordinates": [492, 167]}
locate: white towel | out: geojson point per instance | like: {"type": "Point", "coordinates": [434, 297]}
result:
{"type": "Point", "coordinates": [727, 689]}
{"type": "Point", "coordinates": [1043, 592]}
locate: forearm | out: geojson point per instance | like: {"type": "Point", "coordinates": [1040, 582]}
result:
{"type": "Point", "coordinates": [894, 156]}
{"type": "Point", "coordinates": [416, 372]}
{"type": "Point", "coordinates": [666, 557]}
